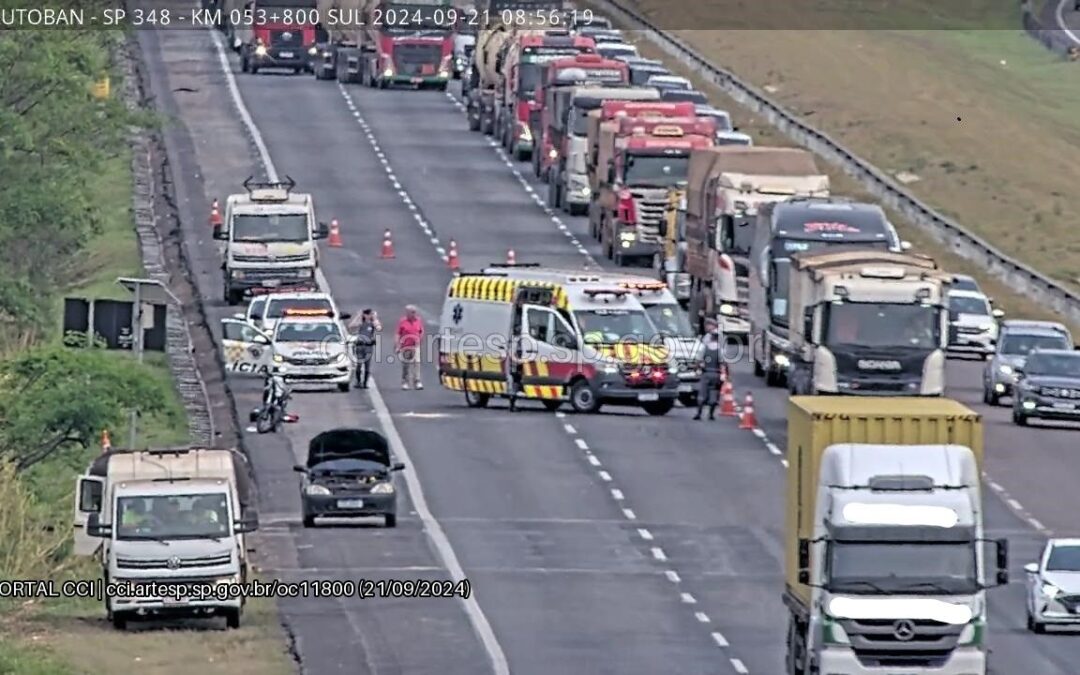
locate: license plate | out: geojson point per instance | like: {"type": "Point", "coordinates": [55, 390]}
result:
{"type": "Point", "coordinates": [174, 601]}
{"type": "Point", "coordinates": [286, 55]}
{"type": "Point", "coordinates": [649, 396]}
{"type": "Point", "coordinates": [1064, 406]}
{"type": "Point", "coordinates": [350, 503]}
{"type": "Point", "coordinates": [272, 283]}
{"type": "Point", "coordinates": [686, 388]}
{"type": "Point", "coordinates": [417, 80]}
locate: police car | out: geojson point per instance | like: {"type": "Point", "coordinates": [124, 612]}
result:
{"type": "Point", "coordinates": [264, 311]}
{"type": "Point", "coordinates": [310, 346]}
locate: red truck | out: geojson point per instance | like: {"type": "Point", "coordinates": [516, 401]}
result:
{"type": "Point", "coordinates": [274, 34]}
{"type": "Point", "coordinates": [523, 68]}
{"type": "Point", "coordinates": [563, 75]}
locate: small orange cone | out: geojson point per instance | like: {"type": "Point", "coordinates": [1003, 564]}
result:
{"type": "Point", "coordinates": [452, 257]}
{"type": "Point", "coordinates": [215, 215]}
{"type": "Point", "coordinates": [511, 258]}
{"type": "Point", "coordinates": [748, 420]}
{"type": "Point", "coordinates": [727, 400]}
{"type": "Point", "coordinates": [106, 442]}
{"type": "Point", "coordinates": [334, 240]}
{"type": "Point", "coordinates": [387, 246]}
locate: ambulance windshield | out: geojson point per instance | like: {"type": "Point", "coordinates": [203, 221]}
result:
{"type": "Point", "coordinates": [610, 326]}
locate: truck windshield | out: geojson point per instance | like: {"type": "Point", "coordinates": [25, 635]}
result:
{"type": "Point", "coordinates": [787, 246]}
{"type": "Point", "coordinates": [609, 326]}
{"type": "Point", "coordinates": [271, 227]}
{"type": "Point", "coordinates": [528, 79]}
{"type": "Point", "coordinates": [658, 170]}
{"type": "Point", "coordinates": [902, 567]}
{"type": "Point", "coordinates": [1022, 345]}
{"type": "Point", "coordinates": [871, 324]}
{"type": "Point", "coordinates": [670, 320]}
{"type": "Point", "coordinates": [778, 285]}
{"type": "Point", "coordinates": [198, 516]}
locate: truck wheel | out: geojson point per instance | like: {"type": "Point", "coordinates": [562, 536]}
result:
{"type": "Point", "coordinates": [344, 387]}
{"type": "Point", "coordinates": [475, 399]}
{"type": "Point", "coordinates": [552, 405]}
{"type": "Point", "coordinates": [1019, 418]}
{"type": "Point", "coordinates": [583, 398]}
{"type": "Point", "coordinates": [474, 122]}
{"type": "Point", "coordinates": [232, 618]}
{"type": "Point", "coordinates": [390, 520]}
{"type": "Point", "coordinates": [578, 209]}
{"type": "Point", "coordinates": [522, 154]}
{"type": "Point", "coordinates": [120, 620]}
{"type": "Point", "coordinates": [688, 399]}
{"type": "Point", "coordinates": [442, 87]}
{"type": "Point", "coordinates": [244, 65]}
{"type": "Point", "coordinates": [536, 163]}
{"type": "Point", "coordinates": [759, 371]}
{"type": "Point", "coordinates": [309, 521]}
{"type": "Point", "coordinates": [772, 378]}
{"type": "Point", "coordinates": [658, 408]}
{"type": "Point", "coordinates": [551, 196]}
{"type": "Point", "coordinates": [990, 397]}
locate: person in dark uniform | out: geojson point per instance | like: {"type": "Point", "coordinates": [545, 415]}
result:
{"type": "Point", "coordinates": [712, 362]}
{"type": "Point", "coordinates": [367, 329]}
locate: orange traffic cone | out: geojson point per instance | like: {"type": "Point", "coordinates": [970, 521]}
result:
{"type": "Point", "coordinates": [334, 240]}
{"type": "Point", "coordinates": [727, 400]}
{"type": "Point", "coordinates": [106, 442]}
{"type": "Point", "coordinates": [511, 258]}
{"type": "Point", "coordinates": [452, 257]}
{"type": "Point", "coordinates": [387, 246]}
{"type": "Point", "coordinates": [748, 420]}
{"type": "Point", "coordinates": [215, 215]}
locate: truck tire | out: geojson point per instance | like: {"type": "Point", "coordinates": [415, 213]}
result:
{"type": "Point", "coordinates": [551, 191]}
{"type": "Point", "coordinates": [120, 620]}
{"type": "Point", "coordinates": [487, 127]}
{"type": "Point", "coordinates": [232, 618]}
{"type": "Point", "coordinates": [1019, 418]}
{"type": "Point", "coordinates": [475, 399]}
{"type": "Point", "coordinates": [536, 163]}
{"type": "Point", "coordinates": [658, 408]}
{"type": "Point", "coordinates": [578, 209]}
{"type": "Point", "coordinates": [441, 86]}
{"type": "Point", "coordinates": [309, 521]}
{"type": "Point", "coordinates": [688, 399]}
{"type": "Point", "coordinates": [390, 520]}
{"type": "Point", "coordinates": [474, 123]}
{"type": "Point", "coordinates": [244, 65]}
{"type": "Point", "coordinates": [551, 405]}
{"type": "Point", "coordinates": [344, 387]}
{"type": "Point", "coordinates": [990, 397]}
{"type": "Point", "coordinates": [523, 154]}
{"type": "Point", "coordinates": [772, 378]}
{"type": "Point", "coordinates": [583, 398]}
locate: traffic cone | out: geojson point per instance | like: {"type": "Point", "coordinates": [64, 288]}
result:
{"type": "Point", "coordinates": [387, 246]}
{"type": "Point", "coordinates": [727, 400]}
{"type": "Point", "coordinates": [511, 258]}
{"type": "Point", "coordinates": [215, 215]}
{"type": "Point", "coordinates": [334, 240]}
{"type": "Point", "coordinates": [748, 420]}
{"type": "Point", "coordinates": [452, 257]}
{"type": "Point", "coordinates": [106, 442]}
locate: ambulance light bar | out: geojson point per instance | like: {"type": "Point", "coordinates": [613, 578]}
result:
{"type": "Point", "coordinates": [643, 285]}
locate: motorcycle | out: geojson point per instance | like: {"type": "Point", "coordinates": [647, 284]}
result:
{"type": "Point", "coordinates": [269, 418]}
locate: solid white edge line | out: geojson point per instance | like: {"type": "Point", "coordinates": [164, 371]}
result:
{"type": "Point", "coordinates": [432, 527]}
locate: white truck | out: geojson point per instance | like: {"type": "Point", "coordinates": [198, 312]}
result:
{"type": "Point", "coordinates": [269, 233]}
{"type": "Point", "coordinates": [867, 323]}
{"type": "Point", "coordinates": [885, 563]}
{"type": "Point", "coordinates": [171, 524]}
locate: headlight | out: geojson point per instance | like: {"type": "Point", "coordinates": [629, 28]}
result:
{"type": "Point", "coordinates": [383, 489]}
{"type": "Point", "coordinates": [317, 490]}
{"type": "Point", "coordinates": [305, 273]}
{"type": "Point", "coordinates": [313, 51]}
{"type": "Point", "coordinates": [1028, 405]}
{"type": "Point", "coordinates": [972, 633]}
{"type": "Point", "coordinates": [238, 274]}
{"type": "Point", "coordinates": [234, 579]}
{"type": "Point", "coordinates": [586, 191]}
{"type": "Point", "coordinates": [674, 368]}
{"type": "Point", "coordinates": [1050, 590]}
{"type": "Point", "coordinates": [627, 236]}
{"type": "Point", "coordinates": [834, 633]}
{"type": "Point", "coordinates": [278, 358]}
{"type": "Point", "coordinates": [553, 153]}
{"type": "Point", "coordinates": [444, 73]}
{"type": "Point", "coordinates": [389, 72]}
{"type": "Point", "coordinates": [260, 51]}
{"type": "Point", "coordinates": [781, 360]}
{"type": "Point", "coordinates": [340, 358]}
{"type": "Point", "coordinates": [987, 327]}
{"type": "Point", "coordinates": [1005, 369]}
{"type": "Point", "coordinates": [727, 310]}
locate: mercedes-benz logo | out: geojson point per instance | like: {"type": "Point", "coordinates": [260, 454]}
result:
{"type": "Point", "coordinates": [286, 35]}
{"type": "Point", "coordinates": [173, 563]}
{"type": "Point", "coordinates": [904, 630]}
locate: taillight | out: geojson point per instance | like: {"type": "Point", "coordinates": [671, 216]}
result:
{"type": "Point", "coordinates": [658, 376]}
{"type": "Point", "coordinates": [626, 211]}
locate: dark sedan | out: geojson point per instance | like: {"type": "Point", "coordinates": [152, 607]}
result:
{"type": "Point", "coordinates": [1049, 387]}
{"type": "Point", "coordinates": [348, 474]}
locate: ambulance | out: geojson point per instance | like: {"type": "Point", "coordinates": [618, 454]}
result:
{"type": "Point", "coordinates": [526, 332]}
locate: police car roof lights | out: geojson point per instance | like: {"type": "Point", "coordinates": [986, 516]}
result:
{"type": "Point", "coordinates": [269, 191]}
{"type": "Point", "coordinates": [643, 285]}
{"type": "Point", "coordinates": [312, 311]}
{"type": "Point", "coordinates": [594, 293]}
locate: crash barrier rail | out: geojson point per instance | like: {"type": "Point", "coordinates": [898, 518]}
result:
{"type": "Point", "coordinates": [953, 236]}
{"type": "Point", "coordinates": [179, 346]}
{"type": "Point", "coordinates": [1043, 28]}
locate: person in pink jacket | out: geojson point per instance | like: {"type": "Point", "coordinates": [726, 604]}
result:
{"type": "Point", "coordinates": [409, 339]}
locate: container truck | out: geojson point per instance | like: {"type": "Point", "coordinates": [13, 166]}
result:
{"type": "Point", "coordinates": [725, 188]}
{"type": "Point", "coordinates": [872, 323]}
{"type": "Point", "coordinates": [885, 570]}
{"type": "Point", "coordinates": [270, 33]}
{"type": "Point", "coordinates": [176, 517]}
{"type": "Point", "coordinates": [557, 92]}
{"type": "Point", "coordinates": [783, 229]}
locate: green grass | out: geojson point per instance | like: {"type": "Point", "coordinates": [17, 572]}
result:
{"type": "Point", "coordinates": [17, 657]}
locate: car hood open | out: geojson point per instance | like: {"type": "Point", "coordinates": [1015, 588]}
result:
{"type": "Point", "coordinates": [346, 443]}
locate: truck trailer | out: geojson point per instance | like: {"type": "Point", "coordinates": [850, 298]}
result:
{"type": "Point", "coordinates": [871, 323]}
{"type": "Point", "coordinates": [884, 548]}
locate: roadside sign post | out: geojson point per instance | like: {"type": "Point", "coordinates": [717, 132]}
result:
{"type": "Point", "coordinates": [145, 290]}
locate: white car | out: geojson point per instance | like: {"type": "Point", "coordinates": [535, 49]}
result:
{"type": "Point", "coordinates": [733, 138]}
{"type": "Point", "coordinates": [1053, 586]}
{"type": "Point", "coordinates": [265, 311]}
{"type": "Point", "coordinates": [669, 82]}
{"type": "Point", "coordinates": [722, 117]}
{"type": "Point", "coordinates": [973, 325]}
{"type": "Point", "coordinates": [616, 50]}
{"type": "Point", "coordinates": [313, 350]}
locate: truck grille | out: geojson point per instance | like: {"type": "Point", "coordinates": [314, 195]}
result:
{"type": "Point", "coordinates": [649, 213]}
{"type": "Point", "coordinates": [878, 643]}
{"type": "Point", "coordinates": [969, 330]}
{"type": "Point", "coordinates": [417, 59]}
{"type": "Point", "coordinates": [163, 563]}
{"type": "Point", "coordinates": [284, 39]}
{"type": "Point", "coordinates": [304, 257]}
{"type": "Point", "coordinates": [258, 275]}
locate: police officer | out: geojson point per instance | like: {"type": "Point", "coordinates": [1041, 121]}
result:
{"type": "Point", "coordinates": [275, 389]}
{"type": "Point", "coordinates": [367, 328]}
{"type": "Point", "coordinates": [711, 368]}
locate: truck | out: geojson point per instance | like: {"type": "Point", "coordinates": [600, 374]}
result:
{"type": "Point", "coordinates": [672, 263]}
{"type": "Point", "coordinates": [637, 161]}
{"type": "Point", "coordinates": [269, 233]}
{"type": "Point", "coordinates": [523, 65]}
{"type": "Point", "coordinates": [176, 517]}
{"type": "Point", "coordinates": [382, 43]}
{"type": "Point", "coordinates": [270, 33]}
{"type": "Point", "coordinates": [885, 556]}
{"type": "Point", "coordinates": [725, 187]}
{"type": "Point", "coordinates": [555, 95]}
{"type": "Point", "coordinates": [800, 225]}
{"type": "Point", "coordinates": [871, 323]}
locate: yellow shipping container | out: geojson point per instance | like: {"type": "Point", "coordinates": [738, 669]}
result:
{"type": "Point", "coordinates": [816, 422]}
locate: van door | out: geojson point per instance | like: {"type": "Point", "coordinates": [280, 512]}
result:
{"type": "Point", "coordinates": [89, 497]}
{"type": "Point", "coordinates": [245, 350]}
{"type": "Point", "coordinates": [256, 310]}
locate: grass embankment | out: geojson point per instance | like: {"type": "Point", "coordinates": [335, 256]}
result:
{"type": "Point", "coordinates": [68, 636]}
{"type": "Point", "coordinates": [984, 120]}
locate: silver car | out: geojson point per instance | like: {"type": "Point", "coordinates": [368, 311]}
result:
{"type": "Point", "coordinates": [973, 327]}
{"type": "Point", "coordinates": [1053, 586]}
{"type": "Point", "coordinates": [1018, 339]}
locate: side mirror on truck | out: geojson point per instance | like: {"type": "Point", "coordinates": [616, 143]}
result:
{"type": "Point", "coordinates": [94, 528]}
{"type": "Point", "coordinates": [398, 467]}
{"type": "Point", "coordinates": [322, 231]}
{"type": "Point", "coordinates": [1002, 561]}
{"type": "Point", "coordinates": [804, 561]}
{"type": "Point", "coordinates": [808, 324]}
{"type": "Point", "coordinates": [248, 523]}
{"type": "Point", "coordinates": [219, 233]}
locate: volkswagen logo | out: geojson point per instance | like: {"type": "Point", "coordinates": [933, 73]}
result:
{"type": "Point", "coordinates": [904, 630]}
{"type": "Point", "coordinates": [173, 563]}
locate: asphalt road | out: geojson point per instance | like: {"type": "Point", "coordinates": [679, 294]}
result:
{"type": "Point", "coordinates": [608, 543]}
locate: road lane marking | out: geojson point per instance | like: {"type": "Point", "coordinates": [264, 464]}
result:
{"type": "Point", "coordinates": [581, 443]}
{"type": "Point", "coordinates": [645, 534]}
{"type": "Point", "coordinates": [593, 460]}
{"type": "Point", "coordinates": [720, 640]}
{"type": "Point", "coordinates": [658, 553]}
{"type": "Point", "coordinates": [688, 599]}
{"type": "Point", "coordinates": [569, 428]}
{"type": "Point", "coordinates": [629, 513]}
{"type": "Point", "coordinates": [739, 666]}
{"type": "Point", "coordinates": [673, 576]}
{"type": "Point", "coordinates": [702, 617]}
{"type": "Point", "coordinates": [617, 494]}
